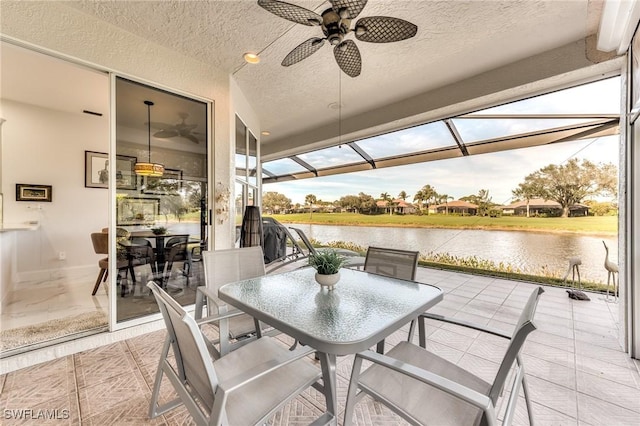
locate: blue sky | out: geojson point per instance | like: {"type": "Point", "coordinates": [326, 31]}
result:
{"type": "Point", "coordinates": [499, 172]}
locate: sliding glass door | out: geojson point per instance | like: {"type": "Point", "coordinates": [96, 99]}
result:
{"type": "Point", "coordinates": [161, 190]}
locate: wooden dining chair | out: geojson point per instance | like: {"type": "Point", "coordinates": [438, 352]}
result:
{"type": "Point", "coordinates": [100, 241]}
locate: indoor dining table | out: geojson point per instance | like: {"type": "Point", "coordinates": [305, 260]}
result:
{"type": "Point", "coordinates": [159, 245]}
{"type": "Point", "coordinates": [363, 309]}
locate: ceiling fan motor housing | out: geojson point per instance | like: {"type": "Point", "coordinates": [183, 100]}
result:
{"type": "Point", "coordinates": [334, 26]}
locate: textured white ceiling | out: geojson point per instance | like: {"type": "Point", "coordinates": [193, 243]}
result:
{"type": "Point", "coordinates": [456, 39]}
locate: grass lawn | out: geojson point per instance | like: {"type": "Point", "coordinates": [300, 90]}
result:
{"type": "Point", "coordinates": [584, 225]}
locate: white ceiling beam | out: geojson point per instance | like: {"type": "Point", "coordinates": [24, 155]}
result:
{"type": "Point", "coordinates": [618, 23]}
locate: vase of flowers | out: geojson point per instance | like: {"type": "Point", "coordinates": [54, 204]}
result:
{"type": "Point", "coordinates": [327, 264]}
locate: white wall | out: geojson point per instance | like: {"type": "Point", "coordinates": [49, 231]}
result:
{"type": "Point", "coordinates": [46, 147]}
{"type": "Point", "coordinates": [53, 26]}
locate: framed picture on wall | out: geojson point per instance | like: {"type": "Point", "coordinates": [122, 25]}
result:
{"type": "Point", "coordinates": [30, 192]}
{"type": "Point", "coordinates": [168, 184]}
{"type": "Point", "coordinates": [125, 175]}
{"type": "Point", "coordinates": [96, 169]}
{"type": "Point", "coordinates": [137, 211]}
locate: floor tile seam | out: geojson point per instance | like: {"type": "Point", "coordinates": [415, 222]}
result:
{"type": "Point", "coordinates": [551, 361]}
{"type": "Point", "coordinates": [578, 393]}
{"type": "Point", "coordinates": [614, 347]}
{"type": "Point", "coordinates": [586, 371]}
{"type": "Point", "coordinates": [608, 380]}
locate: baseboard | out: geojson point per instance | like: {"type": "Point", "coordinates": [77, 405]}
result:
{"type": "Point", "coordinates": [54, 274]}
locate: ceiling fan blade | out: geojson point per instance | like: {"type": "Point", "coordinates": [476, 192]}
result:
{"type": "Point", "coordinates": [348, 58]}
{"type": "Point", "coordinates": [191, 138]}
{"type": "Point", "coordinates": [186, 127]}
{"type": "Point", "coordinates": [161, 126]}
{"type": "Point", "coordinates": [166, 134]}
{"type": "Point", "coordinates": [302, 51]}
{"type": "Point", "coordinates": [353, 7]}
{"type": "Point", "coordinates": [291, 12]}
{"type": "Point", "coordinates": [384, 29]}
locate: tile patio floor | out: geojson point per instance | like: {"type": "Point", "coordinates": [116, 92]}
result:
{"type": "Point", "coordinates": [577, 373]}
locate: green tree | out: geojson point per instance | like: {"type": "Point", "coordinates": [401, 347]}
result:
{"type": "Point", "coordinates": [387, 202]}
{"type": "Point", "coordinates": [482, 200]}
{"type": "Point", "coordinates": [311, 200]}
{"type": "Point", "coordinates": [425, 196]}
{"type": "Point", "coordinates": [525, 191]}
{"type": "Point", "coordinates": [444, 199]}
{"type": "Point", "coordinates": [572, 182]}
{"type": "Point", "coordinates": [350, 202]}
{"type": "Point", "coordinates": [275, 202]}
{"type": "Point", "coordinates": [403, 195]}
{"type": "Point", "coordinates": [366, 202]}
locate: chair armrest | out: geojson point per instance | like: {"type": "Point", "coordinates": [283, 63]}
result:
{"type": "Point", "coordinates": [452, 388]}
{"type": "Point", "coordinates": [207, 320]}
{"type": "Point", "coordinates": [463, 323]}
{"type": "Point", "coordinates": [248, 376]}
{"type": "Point", "coordinates": [211, 296]}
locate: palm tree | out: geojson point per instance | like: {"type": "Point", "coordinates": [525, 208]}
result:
{"type": "Point", "coordinates": [310, 199]}
{"type": "Point", "coordinates": [403, 195]}
{"type": "Point", "coordinates": [386, 198]}
{"type": "Point", "coordinates": [444, 199]}
{"type": "Point", "coordinates": [425, 195]}
{"type": "Point", "coordinates": [526, 191]}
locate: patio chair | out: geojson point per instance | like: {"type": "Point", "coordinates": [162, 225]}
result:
{"type": "Point", "coordinates": [354, 259]}
{"type": "Point", "coordinates": [402, 264]}
{"type": "Point", "coordinates": [424, 388]}
{"type": "Point", "coordinates": [223, 267]}
{"type": "Point", "coordinates": [245, 387]}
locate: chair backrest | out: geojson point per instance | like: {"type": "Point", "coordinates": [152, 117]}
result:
{"type": "Point", "coordinates": [524, 326]}
{"type": "Point", "coordinates": [401, 264]}
{"type": "Point", "coordinates": [176, 240]}
{"type": "Point", "coordinates": [100, 242]}
{"type": "Point", "coordinates": [305, 240]}
{"type": "Point", "coordinates": [227, 266]}
{"type": "Point", "coordinates": [192, 359]}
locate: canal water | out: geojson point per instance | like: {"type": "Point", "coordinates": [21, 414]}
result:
{"type": "Point", "coordinates": [531, 252]}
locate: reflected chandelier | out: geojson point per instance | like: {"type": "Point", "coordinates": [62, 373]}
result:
{"type": "Point", "coordinates": [149, 168]}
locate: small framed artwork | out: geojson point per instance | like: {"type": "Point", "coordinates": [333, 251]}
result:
{"type": "Point", "coordinates": [137, 211]}
{"type": "Point", "coordinates": [96, 169]}
{"type": "Point", "coordinates": [125, 172]}
{"type": "Point", "coordinates": [29, 192]}
{"type": "Point", "coordinates": [168, 184]}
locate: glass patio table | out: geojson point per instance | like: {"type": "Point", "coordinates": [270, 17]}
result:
{"type": "Point", "coordinates": [363, 309]}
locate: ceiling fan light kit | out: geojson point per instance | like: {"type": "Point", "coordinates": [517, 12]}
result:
{"type": "Point", "coordinates": [149, 168]}
{"type": "Point", "coordinates": [335, 23]}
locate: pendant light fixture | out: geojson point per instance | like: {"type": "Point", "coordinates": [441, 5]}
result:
{"type": "Point", "coordinates": [149, 169]}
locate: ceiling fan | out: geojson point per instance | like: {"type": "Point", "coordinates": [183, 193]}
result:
{"type": "Point", "coordinates": [173, 130]}
{"type": "Point", "coordinates": [335, 23]}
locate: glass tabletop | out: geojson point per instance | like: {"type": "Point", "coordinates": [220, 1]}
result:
{"type": "Point", "coordinates": [363, 309]}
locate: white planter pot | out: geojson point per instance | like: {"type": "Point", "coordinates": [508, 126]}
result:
{"type": "Point", "coordinates": [328, 281]}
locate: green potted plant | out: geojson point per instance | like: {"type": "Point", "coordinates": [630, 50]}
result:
{"type": "Point", "coordinates": [327, 264]}
{"type": "Point", "coordinates": [159, 230]}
